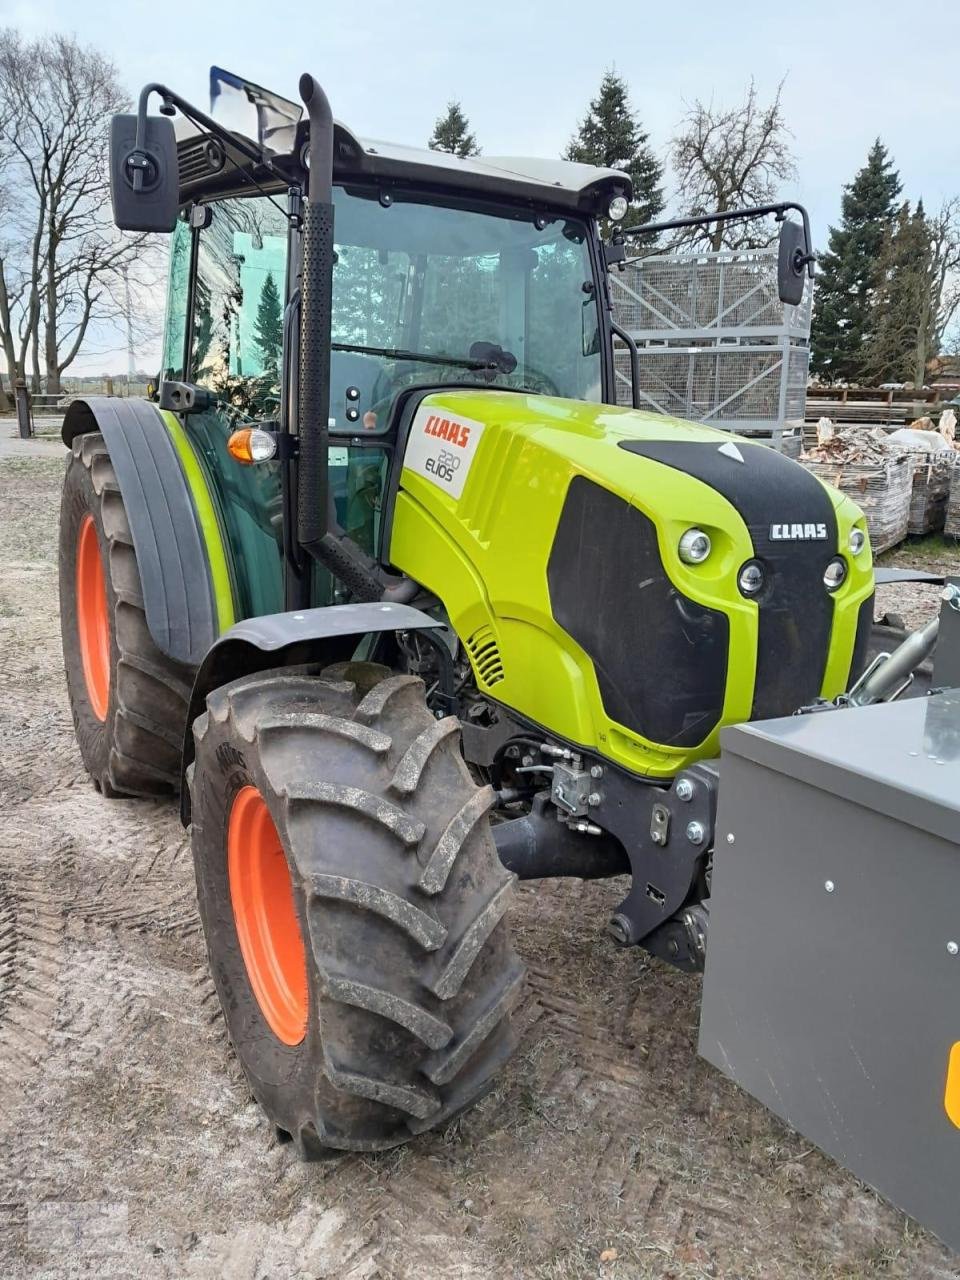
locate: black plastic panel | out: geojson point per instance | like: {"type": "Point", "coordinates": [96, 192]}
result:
{"type": "Point", "coordinates": [660, 658]}
{"type": "Point", "coordinates": [861, 645]}
{"type": "Point", "coordinates": [177, 589]}
{"type": "Point", "coordinates": [796, 610]}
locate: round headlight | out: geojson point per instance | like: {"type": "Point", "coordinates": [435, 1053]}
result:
{"type": "Point", "coordinates": [858, 540]}
{"type": "Point", "coordinates": [835, 573]}
{"type": "Point", "coordinates": [694, 546]}
{"type": "Point", "coordinates": [617, 208]}
{"type": "Point", "coordinates": [751, 578]}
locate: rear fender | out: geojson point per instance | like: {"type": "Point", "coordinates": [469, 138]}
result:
{"type": "Point", "coordinates": [181, 558]}
{"type": "Point", "coordinates": [317, 636]}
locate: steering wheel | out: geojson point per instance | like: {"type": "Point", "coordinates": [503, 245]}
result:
{"type": "Point", "coordinates": [387, 384]}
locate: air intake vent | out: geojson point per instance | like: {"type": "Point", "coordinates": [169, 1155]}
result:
{"type": "Point", "coordinates": [486, 656]}
{"type": "Point", "coordinates": [196, 160]}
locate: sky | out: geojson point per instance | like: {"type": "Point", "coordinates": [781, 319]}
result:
{"type": "Point", "coordinates": [525, 72]}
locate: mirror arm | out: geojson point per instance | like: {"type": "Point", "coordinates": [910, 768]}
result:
{"type": "Point", "coordinates": [172, 102]}
{"type": "Point", "coordinates": [779, 209]}
{"type": "Point", "coordinates": [631, 346]}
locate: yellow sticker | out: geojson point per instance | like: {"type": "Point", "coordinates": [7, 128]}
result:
{"type": "Point", "coordinates": [951, 1097]}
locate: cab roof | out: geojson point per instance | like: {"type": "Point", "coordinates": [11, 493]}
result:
{"type": "Point", "coordinates": [207, 168]}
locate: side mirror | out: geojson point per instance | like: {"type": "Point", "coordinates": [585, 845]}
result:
{"type": "Point", "coordinates": [144, 181]}
{"type": "Point", "coordinates": [792, 260]}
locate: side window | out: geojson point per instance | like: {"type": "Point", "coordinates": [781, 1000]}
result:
{"type": "Point", "coordinates": [238, 318]}
{"type": "Point", "coordinates": [175, 323]}
{"type": "Point", "coordinates": [556, 306]}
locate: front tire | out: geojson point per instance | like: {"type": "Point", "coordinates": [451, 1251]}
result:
{"type": "Point", "coordinates": [129, 701]}
{"type": "Point", "coordinates": [353, 906]}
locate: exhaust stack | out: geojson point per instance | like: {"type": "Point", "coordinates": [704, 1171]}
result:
{"type": "Point", "coordinates": [316, 289]}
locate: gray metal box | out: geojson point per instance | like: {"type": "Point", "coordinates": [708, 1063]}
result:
{"type": "Point", "coordinates": [832, 984]}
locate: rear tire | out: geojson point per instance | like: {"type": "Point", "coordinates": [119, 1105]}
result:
{"type": "Point", "coordinates": [397, 892]}
{"type": "Point", "coordinates": [129, 701]}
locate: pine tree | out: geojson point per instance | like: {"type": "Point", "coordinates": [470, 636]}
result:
{"type": "Point", "coordinates": [268, 326]}
{"type": "Point", "coordinates": [610, 135]}
{"type": "Point", "coordinates": [850, 271]}
{"type": "Point", "coordinates": [452, 133]}
{"type": "Point", "coordinates": [902, 339]}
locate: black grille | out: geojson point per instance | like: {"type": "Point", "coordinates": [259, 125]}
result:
{"type": "Point", "coordinates": [795, 609]}
{"type": "Point", "coordinates": [660, 658]}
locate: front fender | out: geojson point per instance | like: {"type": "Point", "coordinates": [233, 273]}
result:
{"type": "Point", "coordinates": [326, 635]}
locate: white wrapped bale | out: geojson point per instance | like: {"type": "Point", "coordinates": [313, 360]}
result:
{"type": "Point", "coordinates": [881, 488]}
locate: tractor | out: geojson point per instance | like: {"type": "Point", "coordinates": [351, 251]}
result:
{"type": "Point", "coordinates": [382, 581]}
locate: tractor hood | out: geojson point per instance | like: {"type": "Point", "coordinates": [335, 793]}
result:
{"type": "Point", "coordinates": [551, 531]}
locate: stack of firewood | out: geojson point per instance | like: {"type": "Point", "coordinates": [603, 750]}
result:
{"type": "Point", "coordinates": [860, 462]}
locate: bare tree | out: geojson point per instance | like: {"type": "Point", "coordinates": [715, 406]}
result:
{"type": "Point", "coordinates": [727, 158]}
{"type": "Point", "coordinates": [944, 229]}
{"type": "Point", "coordinates": [61, 259]}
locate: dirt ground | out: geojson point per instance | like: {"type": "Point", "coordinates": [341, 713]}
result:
{"type": "Point", "coordinates": [129, 1145]}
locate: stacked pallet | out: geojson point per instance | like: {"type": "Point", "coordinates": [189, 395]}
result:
{"type": "Point", "coordinates": [935, 459]}
{"type": "Point", "coordinates": [903, 480]}
{"type": "Point", "coordinates": [951, 526]}
{"type": "Point", "coordinates": [859, 462]}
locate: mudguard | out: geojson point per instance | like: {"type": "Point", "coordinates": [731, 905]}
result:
{"type": "Point", "coordinates": [178, 590]}
{"type": "Point", "coordinates": [326, 635]}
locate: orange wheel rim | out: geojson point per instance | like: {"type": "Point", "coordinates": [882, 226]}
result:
{"type": "Point", "coordinates": [93, 619]}
{"type": "Point", "coordinates": [261, 894]}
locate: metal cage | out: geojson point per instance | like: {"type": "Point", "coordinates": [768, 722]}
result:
{"type": "Point", "coordinates": [716, 344]}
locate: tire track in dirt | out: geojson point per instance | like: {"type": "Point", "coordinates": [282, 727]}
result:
{"type": "Point", "coordinates": [31, 936]}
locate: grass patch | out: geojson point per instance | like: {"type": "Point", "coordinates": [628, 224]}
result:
{"type": "Point", "coordinates": [932, 546]}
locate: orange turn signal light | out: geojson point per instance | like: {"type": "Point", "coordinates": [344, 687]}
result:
{"type": "Point", "coordinates": [250, 445]}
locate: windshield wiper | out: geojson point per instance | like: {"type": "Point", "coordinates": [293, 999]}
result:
{"type": "Point", "coordinates": [493, 357]}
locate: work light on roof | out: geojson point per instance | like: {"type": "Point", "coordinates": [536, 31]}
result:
{"type": "Point", "coordinates": [617, 208]}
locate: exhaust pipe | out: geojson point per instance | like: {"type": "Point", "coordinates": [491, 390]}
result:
{"type": "Point", "coordinates": [316, 295]}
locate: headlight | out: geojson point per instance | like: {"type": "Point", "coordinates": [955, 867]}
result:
{"type": "Point", "coordinates": [617, 208]}
{"type": "Point", "coordinates": [858, 540]}
{"type": "Point", "coordinates": [694, 546]}
{"type": "Point", "coordinates": [835, 573]}
{"type": "Point", "coordinates": [751, 578]}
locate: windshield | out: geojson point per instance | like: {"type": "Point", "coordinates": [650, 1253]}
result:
{"type": "Point", "coordinates": [431, 293]}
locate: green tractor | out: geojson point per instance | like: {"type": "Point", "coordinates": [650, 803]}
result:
{"type": "Point", "coordinates": [383, 581]}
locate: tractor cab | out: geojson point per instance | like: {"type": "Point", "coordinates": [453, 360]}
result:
{"type": "Point", "coordinates": [477, 272]}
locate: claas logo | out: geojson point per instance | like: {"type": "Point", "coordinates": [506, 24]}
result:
{"type": "Point", "coordinates": [447, 429]}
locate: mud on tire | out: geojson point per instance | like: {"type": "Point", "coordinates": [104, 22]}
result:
{"type": "Point", "coordinates": [399, 896]}
{"type": "Point", "coordinates": [135, 748]}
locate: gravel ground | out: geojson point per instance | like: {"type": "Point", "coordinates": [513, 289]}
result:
{"type": "Point", "coordinates": [129, 1145]}
{"type": "Point", "coordinates": [915, 602]}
